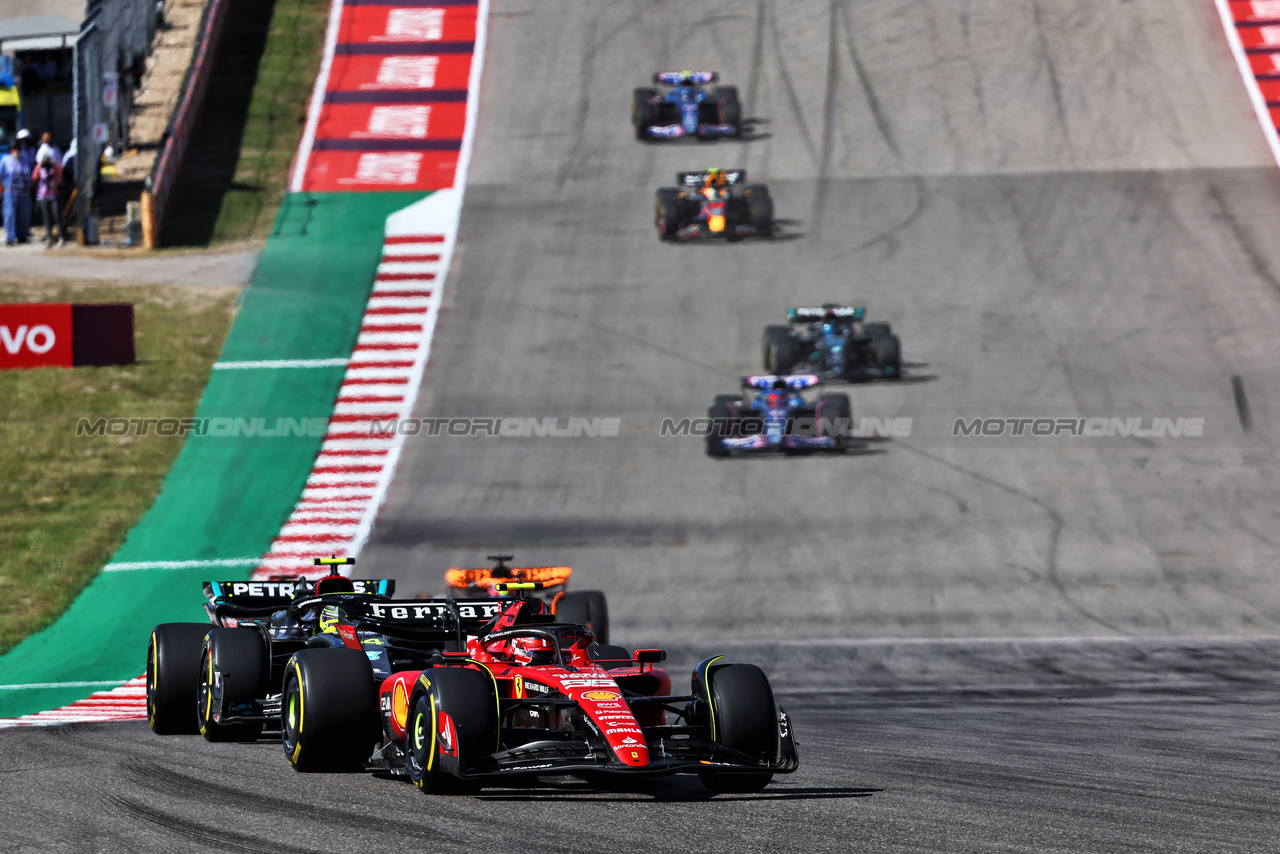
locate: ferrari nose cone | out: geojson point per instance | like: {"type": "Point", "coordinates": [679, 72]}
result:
{"type": "Point", "coordinates": [635, 754]}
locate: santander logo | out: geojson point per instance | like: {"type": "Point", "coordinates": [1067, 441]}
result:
{"type": "Point", "coordinates": [37, 339]}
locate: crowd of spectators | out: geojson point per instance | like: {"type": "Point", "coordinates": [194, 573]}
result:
{"type": "Point", "coordinates": [39, 178]}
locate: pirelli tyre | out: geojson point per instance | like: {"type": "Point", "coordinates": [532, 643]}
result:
{"type": "Point", "coordinates": [643, 112]}
{"type": "Point", "coordinates": [778, 350]}
{"type": "Point", "coordinates": [730, 106]}
{"type": "Point", "coordinates": [233, 675]}
{"type": "Point", "coordinates": [585, 608]}
{"type": "Point", "coordinates": [743, 717]}
{"type": "Point", "coordinates": [453, 720]}
{"type": "Point", "coordinates": [889, 356]}
{"type": "Point", "coordinates": [835, 417]}
{"type": "Point", "coordinates": [666, 213]}
{"type": "Point", "coordinates": [719, 428]}
{"type": "Point", "coordinates": [173, 677]}
{"type": "Point", "coordinates": [760, 205]}
{"type": "Point", "coordinates": [329, 710]}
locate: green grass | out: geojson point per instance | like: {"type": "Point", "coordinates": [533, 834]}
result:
{"type": "Point", "coordinates": [67, 501]}
{"type": "Point", "coordinates": [275, 121]}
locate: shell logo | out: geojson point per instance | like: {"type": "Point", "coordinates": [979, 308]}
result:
{"type": "Point", "coordinates": [400, 704]}
{"type": "Point", "coordinates": [600, 695]}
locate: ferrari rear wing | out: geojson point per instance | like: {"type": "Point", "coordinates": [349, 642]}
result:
{"type": "Point", "coordinates": [419, 616]}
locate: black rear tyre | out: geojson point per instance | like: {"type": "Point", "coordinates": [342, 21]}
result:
{"type": "Point", "coordinates": [451, 722]}
{"type": "Point", "coordinates": [744, 717]}
{"type": "Point", "coordinates": [778, 349]}
{"type": "Point", "coordinates": [730, 105]}
{"type": "Point", "coordinates": [585, 608]}
{"type": "Point", "coordinates": [173, 677]}
{"type": "Point", "coordinates": [329, 710]}
{"type": "Point", "coordinates": [643, 113]}
{"type": "Point", "coordinates": [666, 213]}
{"type": "Point", "coordinates": [875, 330]}
{"type": "Point", "coordinates": [721, 427]}
{"type": "Point", "coordinates": [760, 203]}
{"type": "Point", "coordinates": [889, 356]}
{"type": "Point", "coordinates": [835, 417]}
{"type": "Point", "coordinates": [233, 672]}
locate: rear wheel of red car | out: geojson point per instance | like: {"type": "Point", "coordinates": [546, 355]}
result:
{"type": "Point", "coordinates": [329, 710]}
{"type": "Point", "coordinates": [452, 721]}
{"type": "Point", "coordinates": [744, 717]}
{"type": "Point", "coordinates": [585, 608]}
{"type": "Point", "coordinates": [173, 677]}
{"type": "Point", "coordinates": [233, 673]}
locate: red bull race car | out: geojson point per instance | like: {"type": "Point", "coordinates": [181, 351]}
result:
{"type": "Point", "coordinates": [713, 203]}
{"type": "Point", "coordinates": [528, 697]}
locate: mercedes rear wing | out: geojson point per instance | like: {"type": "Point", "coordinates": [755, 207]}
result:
{"type": "Point", "coordinates": [810, 313]}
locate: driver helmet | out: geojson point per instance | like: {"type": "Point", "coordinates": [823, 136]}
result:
{"type": "Point", "coordinates": [532, 650]}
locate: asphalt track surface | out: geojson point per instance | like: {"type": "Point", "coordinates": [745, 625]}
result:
{"type": "Point", "coordinates": [1065, 208]}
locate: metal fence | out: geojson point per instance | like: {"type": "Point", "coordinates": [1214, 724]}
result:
{"type": "Point", "coordinates": [111, 50]}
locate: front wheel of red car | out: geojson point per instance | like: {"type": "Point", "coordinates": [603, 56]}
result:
{"type": "Point", "coordinates": [744, 717]}
{"type": "Point", "coordinates": [453, 720]}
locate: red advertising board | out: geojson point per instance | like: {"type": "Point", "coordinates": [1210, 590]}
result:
{"type": "Point", "coordinates": [38, 335]}
{"type": "Point", "coordinates": [35, 335]}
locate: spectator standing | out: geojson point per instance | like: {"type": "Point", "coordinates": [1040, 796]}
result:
{"type": "Point", "coordinates": [16, 183]}
{"type": "Point", "coordinates": [47, 176]}
{"type": "Point", "coordinates": [47, 147]}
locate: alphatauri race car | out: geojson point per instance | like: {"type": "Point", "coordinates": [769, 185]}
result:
{"type": "Point", "coordinates": [585, 607]}
{"type": "Point", "coordinates": [713, 203]}
{"type": "Point", "coordinates": [687, 108]}
{"type": "Point", "coordinates": [529, 697]}
{"type": "Point", "coordinates": [773, 414]}
{"type": "Point", "coordinates": [834, 342]}
{"type": "Point", "coordinates": [225, 678]}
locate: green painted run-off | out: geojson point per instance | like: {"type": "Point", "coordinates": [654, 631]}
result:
{"type": "Point", "coordinates": [225, 498]}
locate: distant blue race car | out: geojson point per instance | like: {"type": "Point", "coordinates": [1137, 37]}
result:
{"type": "Point", "coordinates": [686, 108]}
{"type": "Point", "coordinates": [772, 414]}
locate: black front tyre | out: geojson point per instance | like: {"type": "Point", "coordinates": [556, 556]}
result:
{"type": "Point", "coordinates": [778, 349]}
{"type": "Point", "coordinates": [233, 673]}
{"type": "Point", "coordinates": [744, 717]}
{"type": "Point", "coordinates": [452, 721]}
{"type": "Point", "coordinates": [173, 677]}
{"type": "Point", "coordinates": [585, 608]}
{"type": "Point", "coordinates": [329, 710]}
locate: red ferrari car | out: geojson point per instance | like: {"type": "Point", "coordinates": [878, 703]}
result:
{"type": "Point", "coordinates": [529, 697]}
